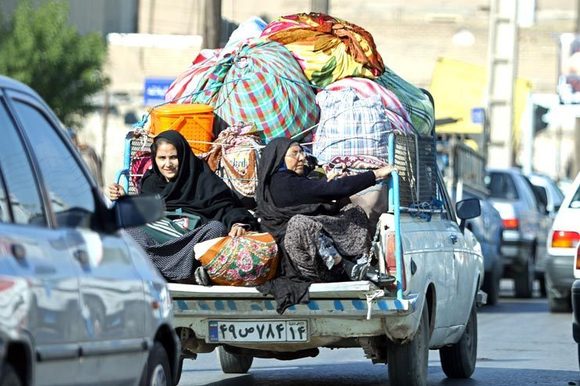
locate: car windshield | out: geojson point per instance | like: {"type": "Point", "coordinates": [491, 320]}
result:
{"type": "Point", "coordinates": [501, 185]}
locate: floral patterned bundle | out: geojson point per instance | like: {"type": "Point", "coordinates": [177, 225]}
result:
{"type": "Point", "coordinates": [247, 260]}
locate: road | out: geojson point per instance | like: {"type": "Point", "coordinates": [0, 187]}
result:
{"type": "Point", "coordinates": [520, 343]}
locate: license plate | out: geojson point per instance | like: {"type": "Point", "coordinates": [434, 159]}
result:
{"type": "Point", "coordinates": [258, 331]}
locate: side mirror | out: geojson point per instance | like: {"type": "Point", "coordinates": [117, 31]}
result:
{"type": "Point", "coordinates": [130, 211]}
{"type": "Point", "coordinates": [466, 209]}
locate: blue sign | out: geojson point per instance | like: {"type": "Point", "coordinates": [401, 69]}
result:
{"type": "Point", "coordinates": [478, 115]}
{"type": "Point", "coordinates": [155, 89]}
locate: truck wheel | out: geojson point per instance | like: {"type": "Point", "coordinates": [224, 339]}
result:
{"type": "Point", "coordinates": [458, 360]}
{"type": "Point", "coordinates": [179, 370]}
{"type": "Point", "coordinates": [157, 371]}
{"type": "Point", "coordinates": [408, 362]}
{"type": "Point", "coordinates": [234, 363]}
{"type": "Point", "coordinates": [524, 281]}
{"type": "Point", "coordinates": [8, 376]}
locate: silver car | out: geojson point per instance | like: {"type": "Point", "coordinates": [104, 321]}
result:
{"type": "Point", "coordinates": [80, 302]}
{"type": "Point", "coordinates": [525, 226]}
{"type": "Point", "coordinates": [551, 197]}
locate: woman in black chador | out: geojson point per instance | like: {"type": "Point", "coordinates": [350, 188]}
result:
{"type": "Point", "coordinates": [187, 185]}
{"type": "Point", "coordinates": [320, 240]}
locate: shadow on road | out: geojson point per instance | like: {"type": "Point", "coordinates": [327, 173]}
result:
{"type": "Point", "coordinates": [510, 306]}
{"type": "Point", "coordinates": [363, 374]}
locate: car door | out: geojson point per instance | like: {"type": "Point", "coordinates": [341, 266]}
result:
{"type": "Point", "coordinates": [112, 304]}
{"type": "Point", "coordinates": [37, 252]}
{"type": "Point", "coordinates": [460, 272]}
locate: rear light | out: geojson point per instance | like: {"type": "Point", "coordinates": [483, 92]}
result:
{"type": "Point", "coordinates": [391, 259]}
{"type": "Point", "coordinates": [565, 239]}
{"type": "Point", "coordinates": [6, 284]}
{"type": "Point", "coordinates": [577, 257]}
{"type": "Point", "coordinates": [511, 223]}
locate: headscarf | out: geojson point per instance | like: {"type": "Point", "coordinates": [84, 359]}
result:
{"type": "Point", "coordinates": [273, 218]}
{"type": "Point", "coordinates": [195, 189]}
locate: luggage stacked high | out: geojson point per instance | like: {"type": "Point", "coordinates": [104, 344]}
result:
{"type": "Point", "coordinates": [311, 77]}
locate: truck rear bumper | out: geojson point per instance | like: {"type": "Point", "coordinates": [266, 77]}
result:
{"type": "Point", "coordinates": [355, 300]}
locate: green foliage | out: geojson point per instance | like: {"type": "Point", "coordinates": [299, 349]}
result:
{"type": "Point", "coordinates": [40, 48]}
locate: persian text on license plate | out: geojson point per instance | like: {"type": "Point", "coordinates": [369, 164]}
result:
{"type": "Point", "coordinates": [258, 331]}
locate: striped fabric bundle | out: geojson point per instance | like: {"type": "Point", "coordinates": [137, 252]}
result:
{"type": "Point", "coordinates": [415, 101]}
{"type": "Point", "coordinates": [260, 83]}
{"type": "Point", "coordinates": [327, 48]}
{"type": "Point", "coordinates": [182, 88]}
{"type": "Point", "coordinates": [350, 125]}
{"type": "Point", "coordinates": [364, 88]}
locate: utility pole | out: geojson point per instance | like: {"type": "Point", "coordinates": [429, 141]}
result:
{"type": "Point", "coordinates": [212, 23]}
{"type": "Point", "coordinates": [322, 6]}
{"type": "Point", "coordinates": [502, 65]}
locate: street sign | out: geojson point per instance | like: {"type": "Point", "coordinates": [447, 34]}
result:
{"type": "Point", "coordinates": [155, 89]}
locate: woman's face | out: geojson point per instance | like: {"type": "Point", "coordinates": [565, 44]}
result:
{"type": "Point", "coordinates": [295, 159]}
{"type": "Point", "coordinates": [166, 160]}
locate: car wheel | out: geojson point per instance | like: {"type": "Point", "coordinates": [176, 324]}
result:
{"type": "Point", "coordinates": [491, 283]}
{"type": "Point", "coordinates": [458, 360]}
{"type": "Point", "coordinates": [8, 376]}
{"type": "Point", "coordinates": [234, 363]}
{"type": "Point", "coordinates": [557, 304]}
{"type": "Point", "coordinates": [524, 280]}
{"type": "Point", "coordinates": [543, 290]}
{"type": "Point", "coordinates": [408, 362]}
{"type": "Point", "coordinates": [157, 370]}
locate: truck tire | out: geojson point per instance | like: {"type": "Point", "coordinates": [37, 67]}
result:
{"type": "Point", "coordinates": [157, 370]}
{"type": "Point", "coordinates": [458, 360]}
{"type": "Point", "coordinates": [234, 363]}
{"type": "Point", "coordinates": [179, 370]}
{"type": "Point", "coordinates": [9, 376]}
{"type": "Point", "coordinates": [524, 280]}
{"type": "Point", "coordinates": [408, 362]}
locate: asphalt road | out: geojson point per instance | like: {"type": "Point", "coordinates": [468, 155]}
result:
{"type": "Point", "coordinates": [520, 343]}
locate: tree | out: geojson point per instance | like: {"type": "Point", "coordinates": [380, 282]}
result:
{"type": "Point", "coordinates": [41, 49]}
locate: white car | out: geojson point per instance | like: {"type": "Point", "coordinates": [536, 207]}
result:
{"type": "Point", "coordinates": [561, 244]}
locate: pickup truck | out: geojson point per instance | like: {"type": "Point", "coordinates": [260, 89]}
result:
{"type": "Point", "coordinates": [437, 267]}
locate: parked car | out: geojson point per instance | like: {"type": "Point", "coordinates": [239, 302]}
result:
{"type": "Point", "coordinates": [562, 241]}
{"type": "Point", "coordinates": [576, 300]}
{"type": "Point", "coordinates": [525, 225]}
{"type": "Point", "coordinates": [488, 228]}
{"type": "Point", "coordinates": [550, 195]}
{"type": "Point", "coordinates": [80, 302]}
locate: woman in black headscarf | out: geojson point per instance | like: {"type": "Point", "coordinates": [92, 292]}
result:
{"type": "Point", "coordinates": [305, 217]}
{"type": "Point", "coordinates": [187, 185]}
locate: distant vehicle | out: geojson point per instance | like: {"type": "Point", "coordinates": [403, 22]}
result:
{"type": "Point", "coordinates": [488, 229]}
{"type": "Point", "coordinates": [550, 196]}
{"type": "Point", "coordinates": [525, 225]}
{"type": "Point", "coordinates": [553, 193]}
{"type": "Point", "coordinates": [463, 170]}
{"type": "Point", "coordinates": [562, 241]}
{"type": "Point", "coordinates": [80, 302]}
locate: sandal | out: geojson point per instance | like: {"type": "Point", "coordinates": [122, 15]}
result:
{"type": "Point", "coordinates": [201, 276]}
